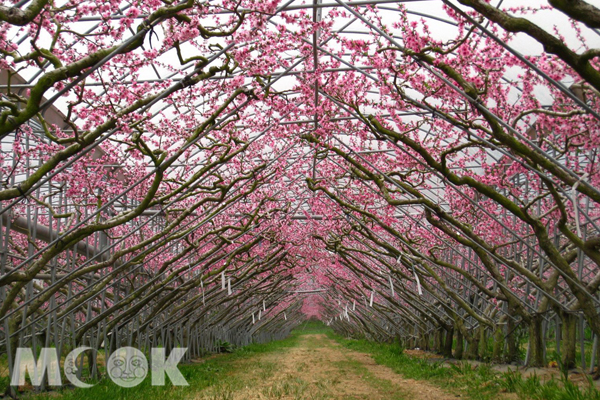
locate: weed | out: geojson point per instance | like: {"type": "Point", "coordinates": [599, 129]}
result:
{"type": "Point", "coordinates": [225, 347]}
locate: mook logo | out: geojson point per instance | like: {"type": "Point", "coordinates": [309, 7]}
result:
{"type": "Point", "coordinates": [126, 367]}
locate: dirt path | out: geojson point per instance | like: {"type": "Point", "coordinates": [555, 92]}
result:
{"type": "Point", "coordinates": [318, 368]}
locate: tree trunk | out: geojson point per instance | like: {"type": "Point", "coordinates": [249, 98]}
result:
{"type": "Point", "coordinates": [424, 341]}
{"type": "Point", "coordinates": [447, 349]}
{"type": "Point", "coordinates": [498, 344]}
{"type": "Point", "coordinates": [401, 341]}
{"type": "Point", "coordinates": [597, 372]}
{"type": "Point", "coordinates": [536, 343]}
{"type": "Point", "coordinates": [472, 347]}
{"type": "Point", "coordinates": [459, 350]}
{"type": "Point", "coordinates": [483, 348]}
{"type": "Point", "coordinates": [437, 341]}
{"type": "Point", "coordinates": [569, 340]}
{"type": "Point", "coordinates": [511, 341]}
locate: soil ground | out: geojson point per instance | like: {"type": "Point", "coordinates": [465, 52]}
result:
{"type": "Point", "coordinates": [318, 368]}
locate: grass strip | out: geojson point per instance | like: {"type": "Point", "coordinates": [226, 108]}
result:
{"type": "Point", "coordinates": [478, 383]}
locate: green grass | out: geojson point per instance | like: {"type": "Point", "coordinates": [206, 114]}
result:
{"type": "Point", "coordinates": [552, 355]}
{"type": "Point", "coordinates": [289, 387]}
{"type": "Point", "coordinates": [311, 327]}
{"type": "Point", "coordinates": [562, 389]}
{"type": "Point", "coordinates": [356, 367]}
{"type": "Point", "coordinates": [215, 374]}
{"type": "Point", "coordinates": [479, 383]}
{"type": "Point", "coordinates": [218, 378]}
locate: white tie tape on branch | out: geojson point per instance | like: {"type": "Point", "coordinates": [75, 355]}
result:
{"type": "Point", "coordinates": [392, 286]}
{"type": "Point", "coordinates": [202, 288]}
{"type": "Point", "coordinates": [418, 281]}
{"type": "Point", "coordinates": [264, 307]}
{"type": "Point", "coordinates": [371, 301]}
{"type": "Point", "coordinates": [284, 316]}
{"type": "Point", "coordinates": [223, 283]}
{"type": "Point", "coordinates": [253, 320]}
{"type": "Point", "coordinates": [354, 306]}
{"type": "Point", "coordinates": [229, 287]}
{"type": "Point", "coordinates": [416, 276]}
{"type": "Point", "coordinates": [574, 200]}
{"type": "Point", "coordinates": [259, 314]}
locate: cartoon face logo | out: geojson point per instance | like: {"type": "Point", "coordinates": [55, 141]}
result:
{"type": "Point", "coordinates": [127, 367]}
{"type": "Point", "coordinates": [71, 369]}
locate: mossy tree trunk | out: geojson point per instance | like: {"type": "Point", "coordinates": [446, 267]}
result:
{"type": "Point", "coordinates": [511, 341]}
{"type": "Point", "coordinates": [472, 347]}
{"type": "Point", "coordinates": [569, 340]}
{"type": "Point", "coordinates": [483, 348]}
{"type": "Point", "coordinates": [437, 341]}
{"type": "Point", "coordinates": [447, 347]}
{"type": "Point", "coordinates": [536, 343]}
{"type": "Point", "coordinates": [460, 348]}
{"type": "Point", "coordinates": [498, 344]}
